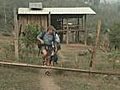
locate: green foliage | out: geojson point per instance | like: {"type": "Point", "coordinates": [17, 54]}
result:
{"type": "Point", "coordinates": [30, 34]}
{"type": "Point", "coordinates": [7, 51]}
{"type": "Point", "coordinates": [114, 55]}
{"type": "Point", "coordinates": [115, 36]}
{"type": "Point", "coordinates": [19, 79]}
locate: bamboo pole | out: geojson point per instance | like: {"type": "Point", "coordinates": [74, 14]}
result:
{"type": "Point", "coordinates": [5, 16]}
{"type": "Point", "coordinates": [86, 32]}
{"type": "Point", "coordinates": [82, 21]}
{"type": "Point", "coordinates": [79, 30]}
{"type": "Point", "coordinates": [93, 57]}
{"type": "Point", "coordinates": [67, 41]}
{"type": "Point", "coordinates": [58, 68]}
{"type": "Point", "coordinates": [16, 34]}
{"type": "Point", "coordinates": [49, 19]}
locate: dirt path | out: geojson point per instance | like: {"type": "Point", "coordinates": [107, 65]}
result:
{"type": "Point", "coordinates": [47, 82]}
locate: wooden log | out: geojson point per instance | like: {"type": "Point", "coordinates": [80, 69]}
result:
{"type": "Point", "coordinates": [93, 57]}
{"type": "Point", "coordinates": [78, 28]}
{"type": "Point", "coordinates": [58, 68]}
{"type": "Point", "coordinates": [49, 19]}
{"type": "Point", "coordinates": [71, 30]}
{"type": "Point", "coordinates": [16, 34]}
{"type": "Point", "coordinates": [67, 39]}
{"type": "Point", "coordinates": [86, 32]}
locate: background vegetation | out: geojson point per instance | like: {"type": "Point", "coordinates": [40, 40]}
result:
{"type": "Point", "coordinates": [13, 78]}
{"type": "Point", "coordinates": [108, 12]}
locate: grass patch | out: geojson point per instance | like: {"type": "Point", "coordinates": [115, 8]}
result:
{"type": "Point", "coordinates": [19, 79]}
{"type": "Point", "coordinates": [77, 81]}
{"type": "Point", "coordinates": [28, 79]}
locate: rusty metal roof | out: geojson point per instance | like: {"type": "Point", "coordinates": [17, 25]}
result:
{"type": "Point", "coordinates": [66, 10]}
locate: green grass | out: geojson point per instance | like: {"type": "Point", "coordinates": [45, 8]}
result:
{"type": "Point", "coordinates": [102, 61]}
{"type": "Point", "coordinates": [31, 57]}
{"type": "Point", "coordinates": [7, 51]}
{"type": "Point", "coordinates": [14, 78]}
{"type": "Point", "coordinates": [77, 81]}
{"type": "Point", "coordinates": [19, 79]}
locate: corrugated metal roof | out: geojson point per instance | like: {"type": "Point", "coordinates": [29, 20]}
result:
{"type": "Point", "coordinates": [67, 10]}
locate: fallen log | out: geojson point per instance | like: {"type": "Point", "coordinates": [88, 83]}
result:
{"type": "Point", "coordinates": [58, 68]}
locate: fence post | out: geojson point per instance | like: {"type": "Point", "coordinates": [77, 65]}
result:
{"type": "Point", "coordinates": [86, 32]}
{"type": "Point", "coordinates": [93, 57]}
{"type": "Point", "coordinates": [49, 19]}
{"type": "Point", "coordinates": [16, 34]}
{"type": "Point", "coordinates": [67, 41]}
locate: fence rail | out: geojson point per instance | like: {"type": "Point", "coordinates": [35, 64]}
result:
{"type": "Point", "coordinates": [59, 68]}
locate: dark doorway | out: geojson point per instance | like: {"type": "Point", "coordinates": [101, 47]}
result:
{"type": "Point", "coordinates": [57, 22]}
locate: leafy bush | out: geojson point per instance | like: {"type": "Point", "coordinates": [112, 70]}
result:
{"type": "Point", "coordinates": [30, 34]}
{"type": "Point", "coordinates": [115, 36]}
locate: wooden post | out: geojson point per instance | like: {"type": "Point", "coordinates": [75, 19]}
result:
{"type": "Point", "coordinates": [16, 34]}
{"type": "Point", "coordinates": [82, 33]}
{"type": "Point", "coordinates": [82, 22]}
{"type": "Point", "coordinates": [78, 31]}
{"type": "Point", "coordinates": [61, 33]}
{"type": "Point", "coordinates": [62, 24]}
{"type": "Point", "coordinates": [5, 16]}
{"type": "Point", "coordinates": [49, 19]}
{"type": "Point", "coordinates": [67, 41]}
{"type": "Point", "coordinates": [93, 57]}
{"type": "Point", "coordinates": [85, 42]}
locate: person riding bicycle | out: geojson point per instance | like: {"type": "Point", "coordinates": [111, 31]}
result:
{"type": "Point", "coordinates": [48, 40]}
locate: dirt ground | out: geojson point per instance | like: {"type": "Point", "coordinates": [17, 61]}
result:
{"type": "Point", "coordinates": [48, 82]}
{"type": "Point", "coordinates": [13, 78]}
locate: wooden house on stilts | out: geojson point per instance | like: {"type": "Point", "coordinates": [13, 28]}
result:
{"type": "Point", "coordinates": [70, 22]}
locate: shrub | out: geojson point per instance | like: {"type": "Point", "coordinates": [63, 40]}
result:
{"type": "Point", "coordinates": [30, 34]}
{"type": "Point", "coordinates": [115, 36]}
